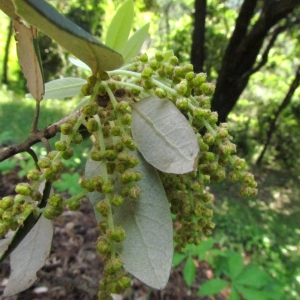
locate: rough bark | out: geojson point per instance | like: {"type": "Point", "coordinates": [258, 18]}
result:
{"type": "Point", "coordinates": [198, 39]}
{"type": "Point", "coordinates": [243, 49]}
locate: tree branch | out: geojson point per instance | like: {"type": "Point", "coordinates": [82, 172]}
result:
{"type": "Point", "coordinates": [35, 137]}
{"type": "Point", "coordinates": [284, 104]}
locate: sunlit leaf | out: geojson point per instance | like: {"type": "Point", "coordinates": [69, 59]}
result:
{"type": "Point", "coordinates": [178, 258]}
{"type": "Point", "coordinates": [8, 8]}
{"type": "Point", "coordinates": [164, 136]}
{"type": "Point", "coordinates": [29, 59]}
{"type": "Point", "coordinates": [135, 43]}
{"type": "Point", "coordinates": [29, 257]}
{"type": "Point", "coordinates": [147, 250]}
{"type": "Point", "coordinates": [79, 63]}
{"type": "Point", "coordinates": [234, 294]}
{"type": "Point", "coordinates": [251, 293]}
{"type": "Point", "coordinates": [212, 287]}
{"type": "Point", "coordinates": [120, 26]}
{"type": "Point", "coordinates": [73, 38]}
{"type": "Point", "coordinates": [189, 271]}
{"type": "Point", "coordinates": [63, 88]}
{"type": "Point", "coordinates": [235, 264]}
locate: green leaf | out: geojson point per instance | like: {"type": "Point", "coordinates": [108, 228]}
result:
{"type": "Point", "coordinates": [63, 88]}
{"type": "Point", "coordinates": [234, 294]}
{"type": "Point", "coordinates": [212, 287]}
{"type": "Point", "coordinates": [235, 264]}
{"type": "Point", "coordinates": [202, 249]}
{"type": "Point", "coordinates": [189, 271]}
{"type": "Point", "coordinates": [29, 59]}
{"type": "Point", "coordinates": [135, 43]}
{"type": "Point", "coordinates": [250, 293]}
{"type": "Point", "coordinates": [73, 38]}
{"type": "Point", "coordinates": [164, 136]}
{"type": "Point", "coordinates": [8, 8]}
{"type": "Point", "coordinates": [178, 258]}
{"type": "Point", "coordinates": [252, 276]}
{"type": "Point", "coordinates": [29, 257]}
{"type": "Point", "coordinates": [69, 184]}
{"type": "Point", "coordinates": [79, 63]}
{"type": "Point", "coordinates": [147, 251]}
{"type": "Point", "coordinates": [120, 26]}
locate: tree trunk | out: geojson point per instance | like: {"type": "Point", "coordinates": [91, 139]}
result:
{"type": "Point", "coordinates": [198, 39]}
{"type": "Point", "coordinates": [243, 49]}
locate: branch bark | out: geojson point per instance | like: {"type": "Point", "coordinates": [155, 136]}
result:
{"type": "Point", "coordinates": [243, 49]}
{"type": "Point", "coordinates": [35, 137]}
{"type": "Point", "coordinates": [286, 101]}
{"type": "Point", "coordinates": [198, 38]}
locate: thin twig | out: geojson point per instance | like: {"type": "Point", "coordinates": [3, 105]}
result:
{"type": "Point", "coordinates": [34, 157]}
{"type": "Point", "coordinates": [36, 137]}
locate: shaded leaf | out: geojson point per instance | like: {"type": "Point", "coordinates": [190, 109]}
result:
{"type": "Point", "coordinates": [164, 136]}
{"type": "Point", "coordinates": [178, 258]}
{"type": "Point", "coordinates": [235, 264]}
{"type": "Point", "coordinates": [252, 276]}
{"type": "Point", "coordinates": [251, 293]}
{"type": "Point", "coordinates": [63, 88]}
{"type": "Point", "coordinates": [29, 257]}
{"type": "Point", "coordinates": [29, 59]}
{"type": "Point", "coordinates": [234, 294]}
{"type": "Point", "coordinates": [189, 271]}
{"type": "Point", "coordinates": [79, 63]}
{"type": "Point", "coordinates": [204, 246]}
{"type": "Point", "coordinates": [147, 251]}
{"type": "Point", "coordinates": [73, 38]}
{"type": "Point", "coordinates": [135, 43]}
{"type": "Point", "coordinates": [8, 8]}
{"type": "Point", "coordinates": [212, 287]}
{"type": "Point", "coordinates": [120, 26]}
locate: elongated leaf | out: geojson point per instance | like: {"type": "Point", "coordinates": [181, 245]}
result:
{"type": "Point", "coordinates": [147, 250]}
{"type": "Point", "coordinates": [234, 294]}
{"type": "Point", "coordinates": [164, 136]}
{"type": "Point", "coordinates": [189, 271]}
{"type": "Point", "coordinates": [120, 26]}
{"type": "Point", "coordinates": [235, 264]}
{"type": "Point", "coordinates": [29, 257]}
{"type": "Point", "coordinates": [63, 88]}
{"type": "Point", "coordinates": [178, 258]}
{"type": "Point", "coordinates": [251, 293]}
{"type": "Point", "coordinates": [212, 287]}
{"type": "Point", "coordinates": [8, 8]}
{"type": "Point", "coordinates": [79, 63]}
{"type": "Point", "coordinates": [134, 44]}
{"type": "Point", "coordinates": [28, 56]}
{"type": "Point", "coordinates": [73, 38]}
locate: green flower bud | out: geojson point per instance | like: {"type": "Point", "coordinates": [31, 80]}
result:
{"type": "Point", "coordinates": [103, 246]}
{"type": "Point", "coordinates": [3, 228]}
{"type": "Point", "coordinates": [55, 200]}
{"type": "Point", "coordinates": [117, 234]}
{"type": "Point", "coordinates": [159, 56]}
{"type": "Point", "coordinates": [57, 167]}
{"type": "Point", "coordinates": [102, 75]}
{"type": "Point", "coordinates": [103, 226]}
{"type": "Point", "coordinates": [67, 154]}
{"type": "Point", "coordinates": [173, 60]}
{"type": "Point", "coordinates": [122, 106]}
{"type": "Point", "coordinates": [208, 138]}
{"type": "Point", "coordinates": [147, 73]}
{"type": "Point", "coordinates": [96, 155]}
{"type": "Point", "coordinates": [207, 197]}
{"type": "Point", "coordinates": [199, 79]}
{"type": "Point", "coordinates": [207, 88]}
{"type": "Point", "coordinates": [117, 200]}
{"type": "Point", "coordinates": [33, 175]}
{"type": "Point", "coordinates": [77, 138]}
{"type": "Point", "coordinates": [207, 231]}
{"type": "Point", "coordinates": [52, 212]}
{"type": "Point", "coordinates": [160, 93]}
{"type": "Point", "coordinates": [154, 65]}
{"type": "Point", "coordinates": [103, 208]}
{"type": "Point", "coordinates": [169, 69]}
{"type": "Point", "coordinates": [144, 58]}
{"type": "Point", "coordinates": [110, 155]}
{"type": "Point", "coordinates": [7, 202]}
{"type": "Point", "coordinates": [222, 133]}
{"type": "Point", "coordinates": [23, 189]}
{"type": "Point", "coordinates": [36, 196]}
{"type": "Point", "coordinates": [123, 156]}
{"type": "Point", "coordinates": [97, 183]}
{"type": "Point", "coordinates": [213, 118]}
{"type": "Point", "coordinates": [66, 128]}
{"type": "Point", "coordinates": [115, 131]}
{"type": "Point", "coordinates": [92, 80]}
{"type": "Point", "coordinates": [147, 84]}
{"type": "Point", "coordinates": [86, 90]}
{"type": "Point", "coordinates": [92, 125]}
{"type": "Point", "coordinates": [112, 266]}
{"type": "Point", "coordinates": [239, 164]}
{"type": "Point", "coordinates": [113, 86]}
{"type": "Point", "coordinates": [51, 155]}
{"type": "Point", "coordinates": [110, 166]}
{"type": "Point", "coordinates": [108, 187]}
{"type": "Point", "coordinates": [182, 104]}
{"type": "Point", "coordinates": [248, 191]}
{"type": "Point", "coordinates": [130, 175]}
{"type": "Point", "coordinates": [101, 90]}
{"type": "Point", "coordinates": [61, 145]}
{"type": "Point", "coordinates": [121, 167]}
{"type": "Point", "coordinates": [134, 192]}
{"type": "Point", "coordinates": [87, 184]}
{"type": "Point", "coordinates": [7, 216]}
{"type": "Point", "coordinates": [132, 161]}
{"type": "Point", "coordinates": [128, 142]}
{"type": "Point", "coordinates": [124, 282]}
{"type": "Point", "coordinates": [126, 119]}
{"type": "Point", "coordinates": [44, 163]}
{"type": "Point", "coordinates": [73, 120]}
